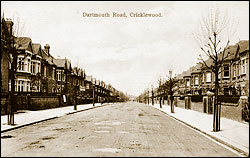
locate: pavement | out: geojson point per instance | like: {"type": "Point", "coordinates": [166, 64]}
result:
{"type": "Point", "coordinates": [27, 117]}
{"type": "Point", "coordinates": [233, 134]}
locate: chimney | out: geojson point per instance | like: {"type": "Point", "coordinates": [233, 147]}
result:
{"type": "Point", "coordinates": [47, 47]}
{"type": "Point", "coordinates": [9, 25]}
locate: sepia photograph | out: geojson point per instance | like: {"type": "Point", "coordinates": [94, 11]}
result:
{"type": "Point", "coordinates": [124, 78]}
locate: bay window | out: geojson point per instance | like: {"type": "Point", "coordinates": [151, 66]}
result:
{"type": "Point", "coordinates": [196, 80]}
{"type": "Point", "coordinates": [226, 71]}
{"type": "Point", "coordinates": [243, 66]}
{"type": "Point", "coordinates": [208, 77]}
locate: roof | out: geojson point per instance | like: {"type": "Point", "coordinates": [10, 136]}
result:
{"type": "Point", "coordinates": [180, 76]}
{"type": "Point", "coordinates": [63, 63]}
{"type": "Point", "coordinates": [60, 62]}
{"type": "Point", "coordinates": [197, 68]}
{"type": "Point", "coordinates": [93, 80]}
{"type": "Point", "coordinates": [77, 71]}
{"type": "Point", "coordinates": [97, 82]}
{"type": "Point", "coordinates": [189, 71]}
{"type": "Point", "coordinates": [243, 45]}
{"type": "Point", "coordinates": [37, 49]}
{"type": "Point", "coordinates": [88, 78]}
{"type": "Point", "coordinates": [50, 60]}
{"type": "Point", "coordinates": [230, 52]}
{"type": "Point", "coordinates": [23, 43]}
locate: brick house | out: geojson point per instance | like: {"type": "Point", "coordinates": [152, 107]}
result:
{"type": "Point", "coordinates": [7, 42]}
{"type": "Point", "coordinates": [195, 82]}
{"type": "Point", "coordinates": [36, 60]}
{"type": "Point", "coordinates": [27, 64]}
{"type": "Point", "coordinates": [48, 71]}
{"type": "Point", "coordinates": [88, 88]}
{"type": "Point", "coordinates": [233, 75]}
{"type": "Point", "coordinates": [78, 76]}
{"type": "Point", "coordinates": [240, 69]}
{"type": "Point", "coordinates": [63, 75]}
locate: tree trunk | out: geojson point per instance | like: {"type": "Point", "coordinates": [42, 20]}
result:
{"type": "Point", "coordinates": [160, 103]}
{"type": "Point", "coordinates": [216, 118]}
{"type": "Point", "coordinates": [12, 92]}
{"type": "Point", "coordinates": [171, 104]}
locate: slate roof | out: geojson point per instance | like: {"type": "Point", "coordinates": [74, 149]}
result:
{"type": "Point", "coordinates": [243, 45]}
{"type": "Point", "coordinates": [197, 68]}
{"type": "Point", "coordinates": [63, 63]}
{"type": "Point", "coordinates": [23, 43]}
{"type": "Point", "coordinates": [180, 76]}
{"type": "Point", "coordinates": [37, 49]}
{"type": "Point", "coordinates": [189, 71]}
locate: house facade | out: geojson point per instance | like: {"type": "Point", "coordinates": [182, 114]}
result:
{"type": "Point", "coordinates": [233, 74]}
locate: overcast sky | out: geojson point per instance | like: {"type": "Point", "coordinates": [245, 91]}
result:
{"type": "Point", "coordinates": [129, 53]}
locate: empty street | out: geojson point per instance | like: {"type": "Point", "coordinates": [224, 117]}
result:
{"type": "Point", "coordinates": [121, 129]}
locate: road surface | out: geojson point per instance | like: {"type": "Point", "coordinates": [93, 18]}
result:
{"type": "Point", "coordinates": [122, 129]}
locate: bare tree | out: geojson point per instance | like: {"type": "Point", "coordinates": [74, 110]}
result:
{"type": "Point", "coordinates": [169, 85]}
{"type": "Point", "coordinates": [213, 36]}
{"type": "Point", "coordinates": [159, 90]}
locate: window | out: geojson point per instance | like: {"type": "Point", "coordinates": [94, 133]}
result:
{"type": "Point", "coordinates": [44, 71]}
{"type": "Point", "coordinates": [63, 76]}
{"type": "Point", "coordinates": [21, 64]}
{"type": "Point", "coordinates": [203, 77]}
{"type": "Point", "coordinates": [188, 82]}
{"type": "Point", "coordinates": [234, 70]}
{"type": "Point", "coordinates": [28, 86]}
{"type": "Point", "coordinates": [19, 86]}
{"type": "Point", "coordinates": [58, 72]}
{"type": "Point", "coordinates": [208, 77]}
{"type": "Point", "coordinates": [243, 66]}
{"type": "Point", "coordinates": [16, 85]}
{"type": "Point", "coordinates": [28, 69]}
{"type": "Point", "coordinates": [226, 71]}
{"type": "Point", "coordinates": [196, 80]}
{"type": "Point", "coordinates": [238, 70]}
{"type": "Point", "coordinates": [9, 85]}
{"type": "Point", "coordinates": [33, 67]}
{"type": "Point", "coordinates": [38, 68]}
{"type": "Point", "coordinates": [22, 84]}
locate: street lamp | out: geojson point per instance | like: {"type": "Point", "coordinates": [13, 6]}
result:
{"type": "Point", "coordinates": [152, 94]}
{"type": "Point", "coordinates": [93, 94]}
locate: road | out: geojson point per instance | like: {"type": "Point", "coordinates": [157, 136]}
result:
{"type": "Point", "coordinates": [124, 129]}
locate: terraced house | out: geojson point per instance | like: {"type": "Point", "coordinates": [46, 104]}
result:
{"type": "Point", "coordinates": [48, 71]}
{"type": "Point", "coordinates": [28, 64]}
{"type": "Point", "coordinates": [41, 81]}
{"type": "Point", "coordinates": [233, 75]}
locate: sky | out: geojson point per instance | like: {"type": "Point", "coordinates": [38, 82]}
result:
{"type": "Point", "coordinates": [131, 53]}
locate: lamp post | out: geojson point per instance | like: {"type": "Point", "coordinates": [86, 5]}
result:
{"type": "Point", "coordinates": [171, 91]}
{"type": "Point", "coordinates": [152, 94]}
{"type": "Point", "coordinates": [93, 94]}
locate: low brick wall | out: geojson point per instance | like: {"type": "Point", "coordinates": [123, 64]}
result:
{"type": "Point", "coordinates": [44, 102]}
{"type": "Point", "coordinates": [232, 111]}
{"type": "Point", "coordinates": [4, 104]}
